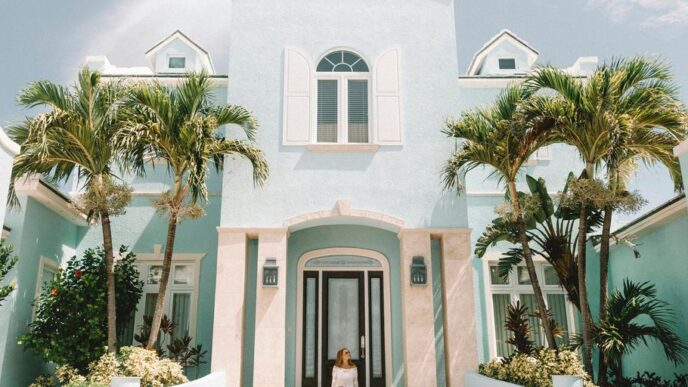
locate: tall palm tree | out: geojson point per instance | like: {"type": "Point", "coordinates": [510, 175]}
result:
{"type": "Point", "coordinates": [180, 126]}
{"type": "Point", "coordinates": [624, 330]}
{"type": "Point", "coordinates": [73, 138]}
{"type": "Point", "coordinates": [501, 138]}
{"type": "Point", "coordinates": [625, 112]}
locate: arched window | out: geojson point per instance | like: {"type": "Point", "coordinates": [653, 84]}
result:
{"type": "Point", "coordinates": [342, 102]}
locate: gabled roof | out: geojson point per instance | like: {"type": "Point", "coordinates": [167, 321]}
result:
{"type": "Point", "coordinates": [202, 53]}
{"type": "Point", "coordinates": [505, 34]}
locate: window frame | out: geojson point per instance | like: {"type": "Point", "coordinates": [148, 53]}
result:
{"type": "Point", "coordinates": [506, 60]}
{"type": "Point", "coordinates": [342, 79]}
{"type": "Point", "coordinates": [515, 290]}
{"type": "Point", "coordinates": [144, 262]}
{"type": "Point", "coordinates": [174, 54]}
{"type": "Point", "coordinates": [43, 263]}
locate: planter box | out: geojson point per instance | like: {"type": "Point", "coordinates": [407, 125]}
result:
{"type": "Point", "coordinates": [567, 381]}
{"type": "Point", "coordinates": [120, 381]}
{"type": "Point", "coordinates": [212, 380]}
{"type": "Point", "coordinates": [474, 379]}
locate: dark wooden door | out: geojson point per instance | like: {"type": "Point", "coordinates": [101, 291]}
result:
{"type": "Point", "coordinates": [343, 321]}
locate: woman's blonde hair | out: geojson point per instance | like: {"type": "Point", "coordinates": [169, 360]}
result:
{"type": "Point", "coordinates": [340, 360]}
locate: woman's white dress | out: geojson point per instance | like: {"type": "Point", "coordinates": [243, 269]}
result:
{"type": "Point", "coordinates": [344, 377]}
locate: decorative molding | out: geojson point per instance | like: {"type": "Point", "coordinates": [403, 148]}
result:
{"type": "Point", "coordinates": [12, 147]}
{"type": "Point", "coordinates": [343, 148]}
{"type": "Point", "coordinates": [252, 232]}
{"type": "Point", "coordinates": [51, 198]}
{"type": "Point", "coordinates": [344, 214]}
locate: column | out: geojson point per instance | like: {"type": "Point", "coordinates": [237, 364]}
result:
{"type": "Point", "coordinates": [228, 324]}
{"type": "Point", "coordinates": [270, 343]}
{"type": "Point", "coordinates": [417, 312]}
{"type": "Point", "coordinates": [459, 305]}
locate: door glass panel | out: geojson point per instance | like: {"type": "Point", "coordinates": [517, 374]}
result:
{"type": "Point", "coordinates": [534, 322]}
{"type": "Point", "coordinates": [342, 316]}
{"type": "Point", "coordinates": [358, 110]}
{"type": "Point", "coordinates": [376, 328]}
{"type": "Point", "coordinates": [310, 327]}
{"type": "Point", "coordinates": [557, 304]}
{"type": "Point", "coordinates": [181, 303]}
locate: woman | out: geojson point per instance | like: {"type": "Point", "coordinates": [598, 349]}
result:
{"type": "Point", "coordinates": [344, 373]}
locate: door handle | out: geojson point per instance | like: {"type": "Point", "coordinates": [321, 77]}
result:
{"type": "Point", "coordinates": [362, 347]}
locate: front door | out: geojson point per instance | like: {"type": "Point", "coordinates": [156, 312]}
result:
{"type": "Point", "coordinates": [352, 310]}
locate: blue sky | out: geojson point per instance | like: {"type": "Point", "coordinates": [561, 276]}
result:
{"type": "Point", "coordinates": [49, 39]}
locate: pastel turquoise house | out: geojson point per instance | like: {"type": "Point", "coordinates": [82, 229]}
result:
{"type": "Point", "coordinates": [352, 243]}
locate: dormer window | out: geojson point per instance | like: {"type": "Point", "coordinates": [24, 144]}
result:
{"type": "Point", "coordinates": [176, 62]}
{"type": "Point", "coordinates": [507, 64]}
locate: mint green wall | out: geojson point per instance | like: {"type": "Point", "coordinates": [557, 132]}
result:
{"type": "Point", "coordinates": [663, 263]}
{"type": "Point", "coordinates": [684, 168]}
{"type": "Point", "coordinates": [436, 253]}
{"type": "Point", "coordinates": [322, 237]}
{"type": "Point", "coordinates": [36, 231]}
{"type": "Point", "coordinates": [140, 228]}
{"type": "Point", "coordinates": [250, 313]}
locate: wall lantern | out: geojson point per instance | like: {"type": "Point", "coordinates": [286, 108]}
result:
{"type": "Point", "coordinates": [270, 272]}
{"type": "Point", "coordinates": [419, 272]}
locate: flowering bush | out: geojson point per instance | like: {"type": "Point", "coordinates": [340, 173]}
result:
{"type": "Point", "coordinates": [537, 370]}
{"type": "Point", "coordinates": [131, 361]}
{"type": "Point", "coordinates": [70, 327]}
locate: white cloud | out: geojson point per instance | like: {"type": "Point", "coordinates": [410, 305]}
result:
{"type": "Point", "coordinates": [652, 13]}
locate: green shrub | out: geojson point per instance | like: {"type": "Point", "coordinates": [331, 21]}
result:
{"type": "Point", "coordinates": [536, 370]}
{"type": "Point", "coordinates": [70, 327]}
{"type": "Point", "coordinates": [130, 361]}
{"type": "Point", "coordinates": [7, 262]}
{"type": "Point", "coordinates": [650, 379]}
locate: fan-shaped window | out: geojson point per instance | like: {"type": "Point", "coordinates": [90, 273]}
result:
{"type": "Point", "coordinates": [342, 62]}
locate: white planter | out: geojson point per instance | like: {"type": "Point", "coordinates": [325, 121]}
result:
{"type": "Point", "coordinates": [567, 381]}
{"type": "Point", "coordinates": [474, 379]}
{"type": "Point", "coordinates": [128, 381]}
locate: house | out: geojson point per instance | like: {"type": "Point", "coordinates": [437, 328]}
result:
{"type": "Point", "coordinates": [352, 242]}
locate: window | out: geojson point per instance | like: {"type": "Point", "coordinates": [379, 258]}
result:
{"type": "Point", "coordinates": [47, 270]}
{"type": "Point", "coordinates": [177, 62]}
{"type": "Point", "coordinates": [501, 292]}
{"type": "Point", "coordinates": [342, 99]}
{"type": "Point", "coordinates": [507, 64]}
{"type": "Point", "coordinates": [181, 298]}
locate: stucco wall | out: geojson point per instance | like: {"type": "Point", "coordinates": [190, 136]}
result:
{"type": "Point", "coordinates": [664, 264]}
{"type": "Point", "coordinates": [8, 149]}
{"type": "Point", "coordinates": [401, 181]}
{"type": "Point", "coordinates": [36, 232]}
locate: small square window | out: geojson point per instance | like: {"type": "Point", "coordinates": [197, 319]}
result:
{"type": "Point", "coordinates": [154, 275]}
{"type": "Point", "coordinates": [177, 62]}
{"type": "Point", "coordinates": [551, 277]}
{"type": "Point", "coordinates": [523, 276]}
{"type": "Point", "coordinates": [507, 64]}
{"type": "Point", "coordinates": [183, 275]}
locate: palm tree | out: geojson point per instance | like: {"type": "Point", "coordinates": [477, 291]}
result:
{"type": "Point", "coordinates": [501, 138]}
{"type": "Point", "coordinates": [627, 111]}
{"type": "Point", "coordinates": [623, 331]}
{"type": "Point", "coordinates": [73, 138]}
{"type": "Point", "coordinates": [180, 126]}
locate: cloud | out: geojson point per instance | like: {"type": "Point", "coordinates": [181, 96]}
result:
{"type": "Point", "coordinates": [651, 13]}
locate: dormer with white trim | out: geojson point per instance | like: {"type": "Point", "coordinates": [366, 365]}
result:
{"type": "Point", "coordinates": [177, 53]}
{"type": "Point", "coordinates": [504, 54]}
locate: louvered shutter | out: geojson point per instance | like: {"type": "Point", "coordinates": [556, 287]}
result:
{"type": "Point", "coordinates": [297, 98]}
{"type": "Point", "coordinates": [387, 102]}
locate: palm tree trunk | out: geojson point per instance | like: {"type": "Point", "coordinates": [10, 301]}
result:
{"type": "Point", "coordinates": [583, 292]}
{"type": "Point", "coordinates": [531, 266]}
{"type": "Point", "coordinates": [109, 268]}
{"type": "Point", "coordinates": [164, 279]}
{"type": "Point", "coordinates": [604, 284]}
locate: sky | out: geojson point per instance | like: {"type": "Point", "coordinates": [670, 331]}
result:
{"type": "Point", "coordinates": [43, 39]}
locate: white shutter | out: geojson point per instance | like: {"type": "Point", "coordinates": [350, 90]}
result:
{"type": "Point", "coordinates": [387, 103]}
{"type": "Point", "coordinates": [297, 98]}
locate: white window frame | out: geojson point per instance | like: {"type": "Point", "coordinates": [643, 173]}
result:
{"type": "Point", "coordinates": [515, 290]}
{"type": "Point", "coordinates": [171, 55]}
{"type": "Point", "coordinates": [43, 263]}
{"type": "Point", "coordinates": [342, 79]}
{"type": "Point", "coordinates": [145, 261]}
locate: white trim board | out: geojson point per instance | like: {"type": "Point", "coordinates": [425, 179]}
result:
{"type": "Point", "coordinates": [33, 187]}
{"type": "Point", "coordinates": [12, 147]}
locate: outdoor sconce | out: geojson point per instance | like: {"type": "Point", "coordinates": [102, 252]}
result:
{"type": "Point", "coordinates": [419, 272]}
{"type": "Point", "coordinates": [270, 272]}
